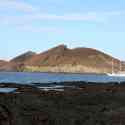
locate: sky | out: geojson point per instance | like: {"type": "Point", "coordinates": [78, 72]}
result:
{"type": "Point", "coordinates": [38, 25]}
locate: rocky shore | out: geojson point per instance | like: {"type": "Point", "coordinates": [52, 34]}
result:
{"type": "Point", "coordinates": [79, 103]}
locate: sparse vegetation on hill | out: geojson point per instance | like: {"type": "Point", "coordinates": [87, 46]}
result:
{"type": "Point", "coordinates": [2, 62]}
{"type": "Point", "coordinates": [63, 59]}
{"type": "Point", "coordinates": [22, 58]}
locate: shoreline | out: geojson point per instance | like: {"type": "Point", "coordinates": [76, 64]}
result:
{"type": "Point", "coordinates": [63, 86]}
{"type": "Point", "coordinates": [84, 73]}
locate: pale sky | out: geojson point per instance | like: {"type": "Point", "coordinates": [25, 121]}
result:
{"type": "Point", "coordinates": [41, 24]}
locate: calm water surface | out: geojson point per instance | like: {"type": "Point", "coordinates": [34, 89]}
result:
{"type": "Point", "coordinates": [27, 78]}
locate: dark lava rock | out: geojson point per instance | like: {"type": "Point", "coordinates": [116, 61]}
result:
{"type": "Point", "coordinates": [5, 116]}
{"type": "Point", "coordinates": [91, 104]}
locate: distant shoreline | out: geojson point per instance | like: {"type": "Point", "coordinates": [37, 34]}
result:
{"type": "Point", "coordinates": [54, 72]}
{"type": "Point", "coordinates": [65, 83]}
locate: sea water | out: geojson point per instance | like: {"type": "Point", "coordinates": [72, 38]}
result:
{"type": "Point", "coordinates": [28, 78]}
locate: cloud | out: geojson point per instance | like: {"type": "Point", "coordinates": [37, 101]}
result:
{"type": "Point", "coordinates": [27, 22]}
{"type": "Point", "coordinates": [37, 15]}
{"type": "Point", "coordinates": [39, 29]}
{"type": "Point", "coordinates": [16, 5]}
{"type": "Point", "coordinates": [33, 17]}
{"type": "Point", "coordinates": [66, 17]}
{"type": "Point", "coordinates": [28, 18]}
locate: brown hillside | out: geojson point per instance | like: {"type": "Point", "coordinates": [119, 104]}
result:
{"type": "Point", "coordinates": [86, 58]}
{"type": "Point", "coordinates": [63, 59]}
{"type": "Point", "coordinates": [9, 66]}
{"type": "Point", "coordinates": [16, 63]}
{"type": "Point", "coordinates": [23, 57]}
{"type": "Point", "coordinates": [62, 55]}
{"type": "Point", "coordinates": [2, 62]}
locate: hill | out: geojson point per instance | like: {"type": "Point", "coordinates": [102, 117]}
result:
{"type": "Point", "coordinates": [77, 60]}
{"type": "Point", "coordinates": [17, 63]}
{"type": "Point", "coordinates": [2, 62]}
{"type": "Point", "coordinates": [63, 59]}
{"type": "Point", "coordinates": [23, 57]}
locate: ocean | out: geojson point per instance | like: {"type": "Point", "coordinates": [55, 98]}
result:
{"type": "Point", "coordinates": [28, 78]}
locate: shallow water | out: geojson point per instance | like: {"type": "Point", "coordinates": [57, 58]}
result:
{"type": "Point", "coordinates": [27, 78]}
{"type": "Point", "coordinates": [7, 90]}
